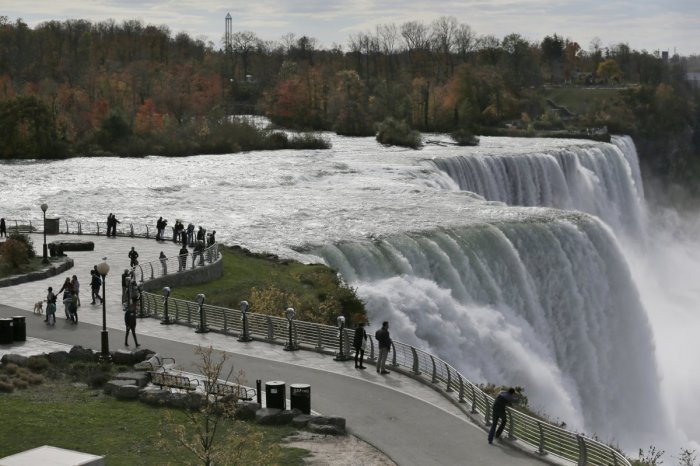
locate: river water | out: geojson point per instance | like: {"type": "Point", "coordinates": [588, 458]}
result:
{"type": "Point", "coordinates": [540, 294]}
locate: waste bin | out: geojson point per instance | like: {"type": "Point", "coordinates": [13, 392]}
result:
{"type": "Point", "coordinates": [274, 394]}
{"type": "Point", "coordinates": [300, 397]}
{"type": "Point", "coordinates": [51, 226]}
{"type": "Point", "coordinates": [6, 331]}
{"type": "Point", "coordinates": [19, 328]}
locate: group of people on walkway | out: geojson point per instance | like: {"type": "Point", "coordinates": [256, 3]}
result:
{"type": "Point", "coordinates": [383, 342]}
{"type": "Point", "coordinates": [70, 298]}
{"type": "Point", "coordinates": [112, 225]}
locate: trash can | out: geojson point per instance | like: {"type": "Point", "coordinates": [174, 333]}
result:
{"type": "Point", "coordinates": [6, 337]}
{"type": "Point", "coordinates": [51, 226]}
{"type": "Point", "coordinates": [300, 397]}
{"type": "Point", "coordinates": [19, 328]}
{"type": "Point", "coordinates": [274, 394]}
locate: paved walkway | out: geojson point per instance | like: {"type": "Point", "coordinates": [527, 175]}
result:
{"type": "Point", "coordinates": [407, 420]}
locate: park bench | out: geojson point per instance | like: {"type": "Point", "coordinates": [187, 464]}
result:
{"type": "Point", "coordinates": [165, 379]}
{"type": "Point", "coordinates": [225, 389]}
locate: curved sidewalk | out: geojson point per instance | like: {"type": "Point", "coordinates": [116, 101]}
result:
{"type": "Point", "coordinates": [405, 419]}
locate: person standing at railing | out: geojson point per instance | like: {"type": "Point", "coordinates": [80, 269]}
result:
{"type": "Point", "coordinates": [384, 343]}
{"type": "Point", "coordinates": [163, 262]}
{"type": "Point", "coordinates": [190, 234]}
{"type": "Point", "coordinates": [182, 258]}
{"type": "Point", "coordinates": [3, 228]}
{"type": "Point", "coordinates": [502, 401]}
{"type": "Point", "coordinates": [360, 343]}
{"type": "Point", "coordinates": [159, 229]}
{"type": "Point", "coordinates": [133, 256]}
{"type": "Point", "coordinates": [114, 225]}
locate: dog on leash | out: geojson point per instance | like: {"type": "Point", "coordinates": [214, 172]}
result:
{"type": "Point", "coordinates": [39, 307]}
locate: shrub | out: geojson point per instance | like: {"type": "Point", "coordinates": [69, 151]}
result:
{"type": "Point", "coordinates": [6, 386]}
{"type": "Point", "coordinates": [398, 133]}
{"type": "Point", "coordinates": [464, 137]}
{"type": "Point", "coordinates": [14, 253]}
{"type": "Point", "coordinates": [38, 363]}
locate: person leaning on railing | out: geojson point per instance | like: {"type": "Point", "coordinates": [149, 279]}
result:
{"type": "Point", "coordinates": [503, 400]}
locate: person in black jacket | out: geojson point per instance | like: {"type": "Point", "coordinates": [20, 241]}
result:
{"type": "Point", "coordinates": [130, 322]}
{"type": "Point", "coordinates": [503, 400]}
{"type": "Point", "coordinates": [133, 256]}
{"type": "Point", "coordinates": [359, 344]}
{"type": "Point", "coordinates": [384, 344]}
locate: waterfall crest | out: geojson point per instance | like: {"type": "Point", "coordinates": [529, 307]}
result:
{"type": "Point", "coordinates": [601, 179]}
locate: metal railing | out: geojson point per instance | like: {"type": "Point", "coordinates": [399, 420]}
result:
{"type": "Point", "coordinates": [544, 437]}
{"type": "Point", "coordinates": [78, 227]}
{"type": "Point", "coordinates": [171, 265]}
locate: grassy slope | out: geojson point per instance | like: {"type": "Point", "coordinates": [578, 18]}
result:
{"type": "Point", "coordinates": [313, 289]}
{"type": "Point", "coordinates": [581, 99]}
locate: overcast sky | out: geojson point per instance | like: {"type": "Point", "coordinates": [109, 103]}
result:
{"type": "Point", "coordinates": [643, 24]}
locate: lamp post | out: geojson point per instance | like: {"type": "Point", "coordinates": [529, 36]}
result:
{"type": "Point", "coordinates": [44, 208]}
{"type": "Point", "coordinates": [245, 336]}
{"type": "Point", "coordinates": [103, 270]}
{"type": "Point", "coordinates": [166, 318]}
{"type": "Point", "coordinates": [341, 356]}
{"type": "Point", "coordinates": [290, 313]}
{"type": "Point", "coordinates": [202, 316]}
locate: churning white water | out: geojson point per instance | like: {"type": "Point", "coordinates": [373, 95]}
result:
{"type": "Point", "coordinates": [537, 296]}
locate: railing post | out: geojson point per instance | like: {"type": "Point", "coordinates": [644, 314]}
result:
{"type": "Point", "coordinates": [416, 363]}
{"type": "Point", "coordinates": [393, 352]}
{"type": "Point", "coordinates": [540, 448]}
{"type": "Point", "coordinates": [511, 424]}
{"type": "Point", "coordinates": [147, 234]}
{"type": "Point", "coordinates": [98, 228]}
{"type": "Point", "coordinates": [434, 379]}
{"type": "Point", "coordinates": [449, 379]}
{"type": "Point", "coordinates": [319, 340]}
{"type": "Point", "coordinates": [487, 411]}
{"type": "Point", "coordinates": [131, 225]}
{"type": "Point", "coordinates": [66, 226]}
{"type": "Point", "coordinates": [473, 410]}
{"type": "Point", "coordinates": [461, 388]}
{"type": "Point", "coordinates": [371, 349]}
{"type": "Point", "coordinates": [582, 454]}
{"type": "Point", "coordinates": [80, 228]}
{"type": "Point", "coordinates": [270, 329]}
{"type": "Point", "coordinates": [151, 266]}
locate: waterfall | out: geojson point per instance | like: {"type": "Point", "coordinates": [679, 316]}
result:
{"type": "Point", "coordinates": [548, 304]}
{"type": "Point", "coordinates": [600, 179]}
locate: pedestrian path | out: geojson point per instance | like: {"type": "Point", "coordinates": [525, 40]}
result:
{"type": "Point", "coordinates": [409, 421]}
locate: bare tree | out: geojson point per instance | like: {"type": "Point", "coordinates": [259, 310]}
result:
{"type": "Point", "coordinates": [415, 36]}
{"type": "Point", "coordinates": [243, 44]}
{"type": "Point", "coordinates": [465, 40]}
{"type": "Point", "coordinates": [387, 35]}
{"type": "Point", "coordinates": [442, 38]}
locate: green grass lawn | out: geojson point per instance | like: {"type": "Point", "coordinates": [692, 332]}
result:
{"type": "Point", "coordinates": [126, 432]}
{"type": "Point", "coordinates": [581, 99]}
{"type": "Point", "coordinates": [271, 285]}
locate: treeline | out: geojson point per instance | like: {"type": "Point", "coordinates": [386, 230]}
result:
{"type": "Point", "coordinates": [136, 88]}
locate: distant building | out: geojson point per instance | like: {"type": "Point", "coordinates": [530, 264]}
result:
{"type": "Point", "coordinates": [693, 78]}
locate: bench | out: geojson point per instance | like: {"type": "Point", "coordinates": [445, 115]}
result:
{"type": "Point", "coordinates": [225, 389]}
{"type": "Point", "coordinates": [164, 379]}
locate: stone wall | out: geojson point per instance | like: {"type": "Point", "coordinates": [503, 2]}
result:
{"type": "Point", "coordinates": [57, 266]}
{"type": "Point", "coordinates": [200, 274]}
